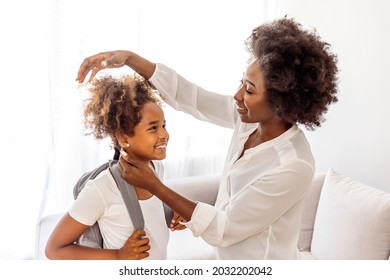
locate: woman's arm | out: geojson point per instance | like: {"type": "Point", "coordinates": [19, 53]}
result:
{"type": "Point", "coordinates": [175, 90]}
{"type": "Point", "coordinates": [61, 244]}
{"type": "Point", "coordinates": [115, 59]}
{"type": "Point", "coordinates": [249, 212]}
{"type": "Point", "coordinates": [192, 99]}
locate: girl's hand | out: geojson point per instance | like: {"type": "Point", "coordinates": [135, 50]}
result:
{"type": "Point", "coordinates": [176, 222]}
{"type": "Point", "coordinates": [136, 247]}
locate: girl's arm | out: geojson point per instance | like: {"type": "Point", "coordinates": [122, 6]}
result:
{"type": "Point", "coordinates": [61, 244]}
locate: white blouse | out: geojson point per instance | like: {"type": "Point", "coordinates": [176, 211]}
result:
{"type": "Point", "coordinates": [258, 210]}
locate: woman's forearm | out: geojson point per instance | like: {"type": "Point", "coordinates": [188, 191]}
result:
{"type": "Point", "coordinates": [140, 64]}
{"type": "Point", "coordinates": [181, 205]}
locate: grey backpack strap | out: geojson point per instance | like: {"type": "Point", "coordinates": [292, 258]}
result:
{"type": "Point", "coordinates": [129, 196]}
{"type": "Point", "coordinates": [168, 214]}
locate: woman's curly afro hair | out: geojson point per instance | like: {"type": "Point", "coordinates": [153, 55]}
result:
{"type": "Point", "coordinates": [115, 105]}
{"type": "Point", "coordinates": [299, 70]}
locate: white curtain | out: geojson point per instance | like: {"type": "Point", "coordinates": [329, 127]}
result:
{"type": "Point", "coordinates": [43, 147]}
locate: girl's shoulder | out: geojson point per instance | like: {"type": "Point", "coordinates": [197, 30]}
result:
{"type": "Point", "coordinates": [102, 182]}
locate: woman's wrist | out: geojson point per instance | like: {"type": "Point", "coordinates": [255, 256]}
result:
{"type": "Point", "coordinates": [140, 65]}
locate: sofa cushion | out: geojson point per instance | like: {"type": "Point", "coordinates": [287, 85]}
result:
{"type": "Point", "coordinates": [183, 245]}
{"type": "Point", "coordinates": [309, 211]}
{"type": "Point", "coordinates": [352, 222]}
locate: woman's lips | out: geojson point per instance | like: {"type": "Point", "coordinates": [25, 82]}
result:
{"type": "Point", "coordinates": [241, 110]}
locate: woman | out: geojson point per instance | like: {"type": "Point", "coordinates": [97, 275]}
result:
{"type": "Point", "coordinates": [291, 80]}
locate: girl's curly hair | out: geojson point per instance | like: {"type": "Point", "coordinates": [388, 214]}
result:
{"type": "Point", "coordinates": [300, 72]}
{"type": "Point", "coordinates": [115, 105]}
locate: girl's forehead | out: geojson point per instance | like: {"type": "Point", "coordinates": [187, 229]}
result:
{"type": "Point", "coordinates": [151, 111]}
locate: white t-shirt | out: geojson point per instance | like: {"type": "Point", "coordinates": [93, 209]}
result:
{"type": "Point", "coordinates": [101, 201]}
{"type": "Point", "coordinates": [258, 210]}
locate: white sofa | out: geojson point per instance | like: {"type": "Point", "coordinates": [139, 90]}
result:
{"type": "Point", "coordinates": [341, 219]}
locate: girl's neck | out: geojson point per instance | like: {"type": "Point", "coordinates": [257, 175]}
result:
{"type": "Point", "coordinates": [142, 194]}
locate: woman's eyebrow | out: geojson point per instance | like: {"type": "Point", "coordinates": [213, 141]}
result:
{"type": "Point", "coordinates": [249, 82]}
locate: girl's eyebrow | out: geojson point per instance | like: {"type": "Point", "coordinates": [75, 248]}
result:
{"type": "Point", "coordinates": [155, 122]}
{"type": "Point", "coordinates": [152, 122]}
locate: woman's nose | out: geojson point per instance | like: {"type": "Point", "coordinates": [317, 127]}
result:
{"type": "Point", "coordinates": [238, 95]}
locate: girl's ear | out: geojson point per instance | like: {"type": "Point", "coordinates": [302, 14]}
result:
{"type": "Point", "coordinates": [123, 141]}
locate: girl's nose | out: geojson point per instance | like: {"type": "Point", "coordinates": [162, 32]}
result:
{"type": "Point", "coordinates": [164, 134]}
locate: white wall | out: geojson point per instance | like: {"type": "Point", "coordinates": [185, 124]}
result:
{"type": "Point", "coordinates": [355, 138]}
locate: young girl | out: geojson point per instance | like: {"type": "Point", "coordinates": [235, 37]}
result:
{"type": "Point", "coordinates": [128, 111]}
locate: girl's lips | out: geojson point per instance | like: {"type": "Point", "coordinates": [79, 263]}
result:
{"type": "Point", "coordinates": [161, 147]}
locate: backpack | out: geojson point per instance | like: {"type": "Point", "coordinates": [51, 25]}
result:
{"type": "Point", "coordinates": [92, 237]}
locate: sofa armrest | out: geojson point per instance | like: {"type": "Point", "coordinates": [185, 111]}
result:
{"type": "Point", "coordinates": [203, 188]}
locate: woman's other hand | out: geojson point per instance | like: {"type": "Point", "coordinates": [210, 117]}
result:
{"type": "Point", "coordinates": [176, 222]}
{"type": "Point", "coordinates": [95, 63]}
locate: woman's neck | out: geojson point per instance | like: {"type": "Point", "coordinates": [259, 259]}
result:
{"type": "Point", "coordinates": [270, 130]}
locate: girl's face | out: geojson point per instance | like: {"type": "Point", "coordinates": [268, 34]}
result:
{"type": "Point", "coordinates": [251, 97]}
{"type": "Point", "coordinates": [150, 138]}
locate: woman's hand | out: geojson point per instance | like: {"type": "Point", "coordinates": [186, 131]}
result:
{"type": "Point", "coordinates": [176, 222]}
{"type": "Point", "coordinates": [136, 247]}
{"type": "Point", "coordinates": [137, 173]}
{"type": "Point", "coordinates": [95, 63]}
{"type": "Point", "coordinates": [115, 59]}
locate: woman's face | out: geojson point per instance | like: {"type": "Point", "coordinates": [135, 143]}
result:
{"type": "Point", "coordinates": [251, 97]}
{"type": "Point", "coordinates": [150, 138]}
